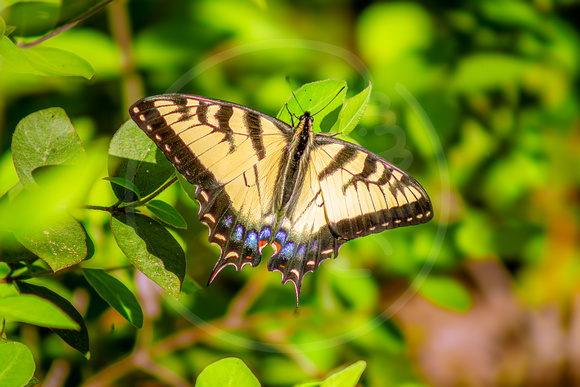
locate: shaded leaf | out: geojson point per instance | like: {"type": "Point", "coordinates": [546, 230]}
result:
{"type": "Point", "coordinates": [116, 294]}
{"type": "Point", "coordinates": [166, 213]}
{"type": "Point", "coordinates": [124, 183]}
{"type": "Point", "coordinates": [151, 249]}
{"type": "Point", "coordinates": [78, 339]}
{"type": "Point", "coordinates": [134, 157]}
{"type": "Point", "coordinates": [190, 286]}
{"type": "Point", "coordinates": [45, 137]}
{"type": "Point", "coordinates": [16, 364]}
{"type": "Point", "coordinates": [36, 310]}
{"type": "Point", "coordinates": [230, 371]}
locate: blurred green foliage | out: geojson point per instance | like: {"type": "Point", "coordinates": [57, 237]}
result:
{"type": "Point", "coordinates": [477, 100]}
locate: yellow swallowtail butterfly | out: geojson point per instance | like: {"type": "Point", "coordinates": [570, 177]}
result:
{"type": "Point", "coordinates": [260, 181]}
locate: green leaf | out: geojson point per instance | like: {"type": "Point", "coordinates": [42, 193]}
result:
{"type": "Point", "coordinates": [56, 62]}
{"type": "Point", "coordinates": [36, 310]}
{"type": "Point", "coordinates": [353, 110]}
{"type": "Point", "coordinates": [230, 371]}
{"type": "Point", "coordinates": [16, 364]}
{"type": "Point", "coordinates": [2, 27]}
{"type": "Point", "coordinates": [349, 376]}
{"type": "Point", "coordinates": [190, 286]}
{"type": "Point", "coordinates": [116, 294]}
{"type": "Point", "coordinates": [445, 292]}
{"type": "Point", "coordinates": [42, 60]}
{"type": "Point", "coordinates": [45, 137]}
{"type": "Point", "coordinates": [124, 183]}
{"type": "Point", "coordinates": [166, 213]}
{"type": "Point", "coordinates": [79, 340]}
{"type": "Point", "coordinates": [134, 157]}
{"type": "Point", "coordinates": [61, 243]}
{"type": "Point", "coordinates": [323, 98]}
{"type": "Point", "coordinates": [151, 249]}
{"type": "Point", "coordinates": [187, 187]}
{"type": "Point", "coordinates": [12, 58]}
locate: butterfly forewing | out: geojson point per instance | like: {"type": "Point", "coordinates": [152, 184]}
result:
{"type": "Point", "coordinates": [230, 153]}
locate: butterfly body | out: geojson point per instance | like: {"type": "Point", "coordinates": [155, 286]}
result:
{"type": "Point", "coordinates": [261, 181]}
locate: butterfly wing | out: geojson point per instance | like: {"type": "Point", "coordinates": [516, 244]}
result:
{"type": "Point", "coordinates": [232, 154]}
{"type": "Point", "coordinates": [363, 193]}
{"type": "Point", "coordinates": [347, 192]}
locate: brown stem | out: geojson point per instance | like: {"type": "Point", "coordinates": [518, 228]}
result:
{"type": "Point", "coordinates": [66, 27]}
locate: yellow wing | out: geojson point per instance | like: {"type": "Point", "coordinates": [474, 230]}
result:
{"type": "Point", "coordinates": [232, 154]}
{"type": "Point", "coordinates": [348, 192]}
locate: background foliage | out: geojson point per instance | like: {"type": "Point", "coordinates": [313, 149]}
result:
{"type": "Point", "coordinates": [478, 100]}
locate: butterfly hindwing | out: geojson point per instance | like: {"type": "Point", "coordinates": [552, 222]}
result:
{"type": "Point", "coordinates": [365, 194]}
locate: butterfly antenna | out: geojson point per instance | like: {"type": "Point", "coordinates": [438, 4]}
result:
{"type": "Point", "coordinates": [329, 102]}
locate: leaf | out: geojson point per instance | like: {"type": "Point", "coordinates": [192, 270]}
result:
{"type": "Point", "coordinates": [41, 60]}
{"type": "Point", "coordinates": [60, 243]}
{"type": "Point", "coordinates": [190, 286]}
{"type": "Point", "coordinates": [124, 183]}
{"type": "Point", "coordinates": [151, 249]}
{"type": "Point", "coordinates": [445, 292]}
{"type": "Point", "coordinates": [16, 364]}
{"type": "Point", "coordinates": [349, 376]}
{"type": "Point", "coordinates": [56, 62]}
{"type": "Point", "coordinates": [187, 187]}
{"type": "Point", "coordinates": [323, 98]}
{"type": "Point", "coordinates": [353, 110]}
{"type": "Point", "coordinates": [35, 310]}
{"type": "Point", "coordinates": [166, 213]}
{"type": "Point", "coordinates": [134, 157]}
{"type": "Point", "coordinates": [79, 340]}
{"type": "Point", "coordinates": [45, 137]}
{"type": "Point", "coordinates": [116, 294]}
{"type": "Point", "coordinates": [230, 371]}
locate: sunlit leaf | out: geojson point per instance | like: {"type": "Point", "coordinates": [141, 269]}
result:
{"type": "Point", "coordinates": [230, 371]}
{"type": "Point", "coordinates": [349, 376]}
{"type": "Point", "coordinates": [43, 138]}
{"type": "Point", "coordinates": [151, 248]}
{"type": "Point", "coordinates": [78, 339]}
{"type": "Point", "coordinates": [353, 111]}
{"type": "Point", "coordinates": [322, 98]}
{"type": "Point", "coordinates": [116, 294]}
{"type": "Point", "coordinates": [16, 364]}
{"type": "Point", "coordinates": [36, 310]}
{"type": "Point", "coordinates": [60, 243]}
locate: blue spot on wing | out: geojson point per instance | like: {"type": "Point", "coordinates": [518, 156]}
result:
{"type": "Point", "coordinates": [280, 237]}
{"type": "Point", "coordinates": [265, 234]}
{"type": "Point", "coordinates": [228, 220]}
{"type": "Point", "coordinates": [239, 233]}
{"type": "Point", "coordinates": [287, 251]}
{"type": "Point", "coordinates": [251, 241]}
{"type": "Point", "coordinates": [301, 252]}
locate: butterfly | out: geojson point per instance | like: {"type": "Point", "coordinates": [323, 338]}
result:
{"type": "Point", "coordinates": [260, 181]}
